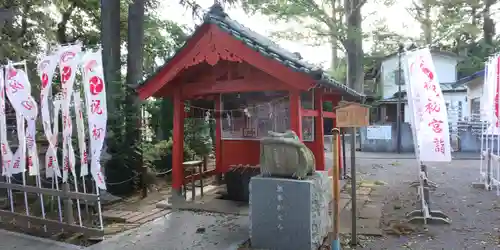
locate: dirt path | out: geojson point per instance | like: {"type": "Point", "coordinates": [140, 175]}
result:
{"type": "Point", "coordinates": [475, 213]}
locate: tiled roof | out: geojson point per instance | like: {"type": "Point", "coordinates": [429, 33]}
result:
{"type": "Point", "coordinates": [268, 48]}
{"type": "Point", "coordinates": [445, 87]}
{"type": "Point", "coordinates": [452, 87]}
{"type": "Point", "coordinates": [463, 81]}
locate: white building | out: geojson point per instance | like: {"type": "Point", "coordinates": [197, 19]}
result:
{"type": "Point", "coordinates": [474, 84]}
{"type": "Point", "coordinates": [445, 64]}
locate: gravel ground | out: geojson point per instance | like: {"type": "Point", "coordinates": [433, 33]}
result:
{"type": "Point", "coordinates": [474, 212]}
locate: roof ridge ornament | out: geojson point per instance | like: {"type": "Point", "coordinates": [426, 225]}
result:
{"type": "Point", "coordinates": [217, 10]}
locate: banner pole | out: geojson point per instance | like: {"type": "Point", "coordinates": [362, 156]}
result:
{"type": "Point", "coordinates": [354, 237]}
{"type": "Point", "coordinates": [336, 191]}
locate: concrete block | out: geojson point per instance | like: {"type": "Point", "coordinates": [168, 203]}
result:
{"type": "Point", "coordinates": [290, 214]}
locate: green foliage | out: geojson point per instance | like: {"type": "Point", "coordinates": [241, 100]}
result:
{"type": "Point", "coordinates": [316, 23]}
{"type": "Point", "coordinates": [157, 155]}
{"type": "Point", "coordinates": [197, 136]}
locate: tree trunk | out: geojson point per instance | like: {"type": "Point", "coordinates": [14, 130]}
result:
{"type": "Point", "coordinates": [354, 44]}
{"type": "Point", "coordinates": [134, 75]}
{"type": "Point", "coordinates": [333, 38]}
{"type": "Point", "coordinates": [488, 24]}
{"type": "Point", "coordinates": [427, 24]}
{"type": "Point", "coordinates": [110, 39]}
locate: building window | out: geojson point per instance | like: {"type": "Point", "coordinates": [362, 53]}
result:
{"type": "Point", "coordinates": [307, 99]}
{"type": "Point", "coordinates": [460, 113]}
{"type": "Point", "coordinates": [475, 106]}
{"type": "Point", "coordinates": [308, 128]}
{"type": "Point", "coordinates": [396, 77]}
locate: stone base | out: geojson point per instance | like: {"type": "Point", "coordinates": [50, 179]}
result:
{"type": "Point", "coordinates": [482, 185]}
{"type": "Point", "coordinates": [290, 214]}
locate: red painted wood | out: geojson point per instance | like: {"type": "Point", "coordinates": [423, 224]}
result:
{"type": "Point", "coordinates": [328, 114]}
{"type": "Point", "coordinates": [197, 175]}
{"type": "Point", "coordinates": [237, 152]}
{"type": "Point", "coordinates": [335, 102]}
{"type": "Point", "coordinates": [309, 113]}
{"type": "Point", "coordinates": [310, 145]}
{"type": "Point", "coordinates": [173, 67]}
{"type": "Point", "coordinates": [269, 65]}
{"type": "Point", "coordinates": [178, 142]}
{"type": "Point", "coordinates": [229, 86]}
{"type": "Point", "coordinates": [211, 45]}
{"type": "Point", "coordinates": [296, 113]}
{"type": "Point", "coordinates": [218, 135]}
{"type": "Point", "coordinates": [319, 147]}
{"type": "Point", "coordinates": [204, 46]}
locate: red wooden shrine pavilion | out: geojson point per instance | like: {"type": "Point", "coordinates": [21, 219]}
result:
{"type": "Point", "coordinates": [254, 86]}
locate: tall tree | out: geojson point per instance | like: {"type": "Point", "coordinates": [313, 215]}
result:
{"type": "Point", "coordinates": [134, 76]}
{"type": "Point", "coordinates": [333, 21]}
{"type": "Point", "coordinates": [353, 43]}
{"type": "Point", "coordinates": [321, 22]}
{"type": "Point", "coordinates": [111, 54]}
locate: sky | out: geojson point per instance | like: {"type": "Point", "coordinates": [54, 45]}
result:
{"type": "Point", "coordinates": [396, 16]}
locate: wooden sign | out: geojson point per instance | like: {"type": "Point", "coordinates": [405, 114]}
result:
{"type": "Point", "coordinates": [352, 115]}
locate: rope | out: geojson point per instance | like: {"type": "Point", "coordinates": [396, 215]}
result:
{"type": "Point", "coordinates": [107, 183]}
{"type": "Point", "coordinates": [241, 109]}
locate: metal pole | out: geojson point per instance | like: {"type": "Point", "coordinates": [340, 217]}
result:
{"type": "Point", "coordinates": [354, 239]}
{"type": "Point", "coordinates": [5, 15]}
{"type": "Point", "coordinates": [336, 190]}
{"type": "Point", "coordinates": [399, 104]}
{"type": "Point", "coordinates": [344, 164]}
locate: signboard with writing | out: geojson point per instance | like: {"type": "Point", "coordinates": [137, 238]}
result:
{"type": "Point", "coordinates": [378, 132]}
{"type": "Point", "coordinates": [352, 115]}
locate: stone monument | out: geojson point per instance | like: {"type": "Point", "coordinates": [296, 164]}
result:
{"type": "Point", "coordinates": [289, 201]}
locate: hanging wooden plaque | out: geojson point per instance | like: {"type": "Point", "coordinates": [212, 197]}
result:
{"type": "Point", "coordinates": [352, 115]}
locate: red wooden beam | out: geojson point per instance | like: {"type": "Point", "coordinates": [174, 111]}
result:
{"type": "Point", "coordinates": [230, 86]}
{"type": "Point", "coordinates": [295, 113]}
{"type": "Point", "coordinates": [328, 114]}
{"type": "Point", "coordinates": [335, 101]}
{"type": "Point", "coordinates": [173, 67]}
{"type": "Point", "coordinates": [319, 142]}
{"type": "Point", "coordinates": [197, 175]}
{"type": "Point", "coordinates": [268, 65]}
{"type": "Point", "coordinates": [310, 113]}
{"type": "Point", "coordinates": [178, 143]}
{"type": "Point", "coordinates": [218, 134]}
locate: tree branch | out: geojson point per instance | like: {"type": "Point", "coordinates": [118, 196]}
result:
{"type": "Point", "coordinates": [356, 8]}
{"type": "Point", "coordinates": [62, 26]}
{"type": "Point", "coordinates": [24, 20]}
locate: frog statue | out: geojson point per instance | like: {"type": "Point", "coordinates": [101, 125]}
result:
{"type": "Point", "coordinates": [284, 155]}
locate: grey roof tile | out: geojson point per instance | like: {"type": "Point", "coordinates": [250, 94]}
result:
{"type": "Point", "coordinates": [268, 48]}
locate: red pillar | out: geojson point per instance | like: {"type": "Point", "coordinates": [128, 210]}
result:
{"type": "Point", "coordinates": [335, 102]}
{"type": "Point", "coordinates": [218, 134]}
{"type": "Point", "coordinates": [178, 143]}
{"type": "Point", "coordinates": [319, 131]}
{"type": "Point", "coordinates": [296, 113]}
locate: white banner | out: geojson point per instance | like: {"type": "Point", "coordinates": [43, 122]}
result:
{"type": "Point", "coordinates": [33, 161]}
{"type": "Point", "coordinates": [68, 65]}
{"type": "Point", "coordinates": [5, 147]}
{"type": "Point", "coordinates": [427, 106]}
{"type": "Point", "coordinates": [95, 97]}
{"type": "Point", "coordinates": [18, 90]}
{"type": "Point", "coordinates": [46, 70]}
{"type": "Point", "coordinates": [18, 164]}
{"type": "Point", "coordinates": [51, 162]}
{"type": "Point", "coordinates": [80, 128]}
{"type": "Point", "coordinates": [489, 98]}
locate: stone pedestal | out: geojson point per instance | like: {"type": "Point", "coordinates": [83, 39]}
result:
{"type": "Point", "coordinates": [288, 214]}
